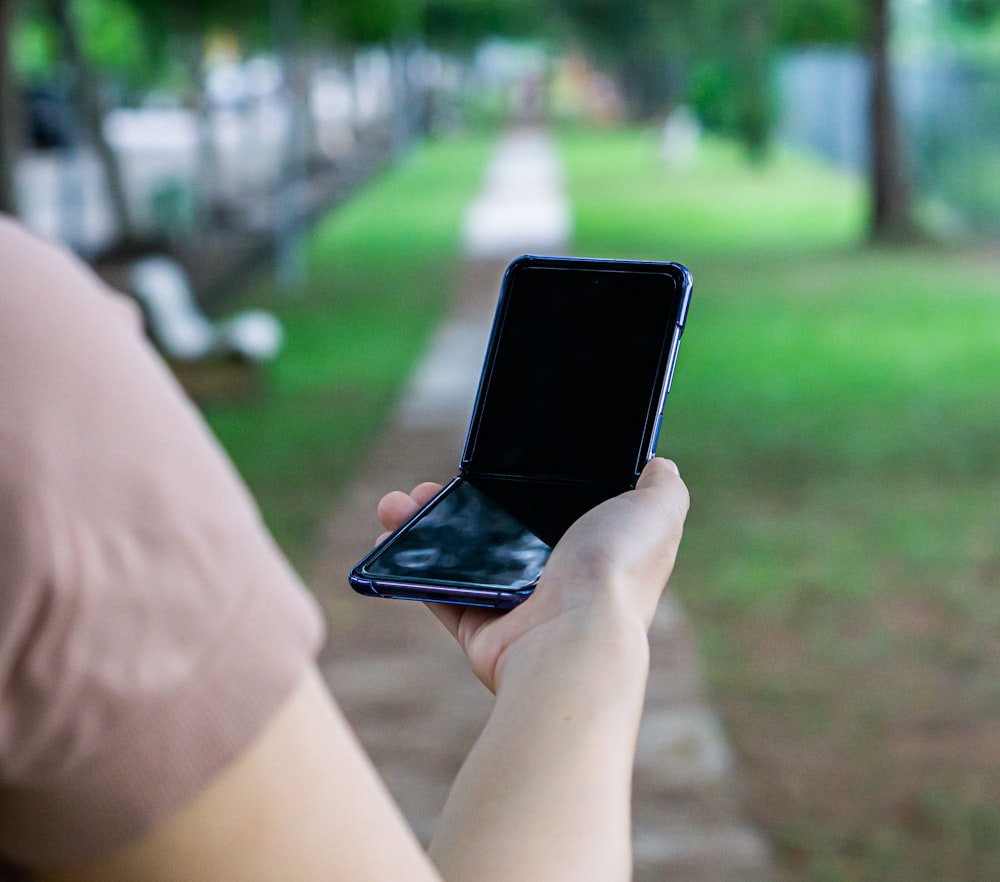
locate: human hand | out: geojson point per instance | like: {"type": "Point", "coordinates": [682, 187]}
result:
{"type": "Point", "coordinates": [606, 574]}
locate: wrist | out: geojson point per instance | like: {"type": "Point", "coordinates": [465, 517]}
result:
{"type": "Point", "coordinates": [598, 650]}
{"type": "Point", "coordinates": [552, 768]}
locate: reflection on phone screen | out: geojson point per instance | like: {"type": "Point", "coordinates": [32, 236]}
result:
{"type": "Point", "coordinates": [464, 538]}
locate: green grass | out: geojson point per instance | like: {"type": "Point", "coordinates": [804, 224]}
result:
{"type": "Point", "coordinates": [811, 365]}
{"type": "Point", "coordinates": [836, 414]}
{"type": "Point", "coordinates": [851, 399]}
{"type": "Point", "coordinates": [380, 274]}
{"type": "Point", "coordinates": [626, 200]}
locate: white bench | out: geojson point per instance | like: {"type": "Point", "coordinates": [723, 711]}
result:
{"type": "Point", "coordinates": [183, 332]}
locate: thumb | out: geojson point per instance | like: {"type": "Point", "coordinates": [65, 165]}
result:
{"type": "Point", "coordinates": [663, 478]}
{"type": "Point", "coordinates": [658, 471]}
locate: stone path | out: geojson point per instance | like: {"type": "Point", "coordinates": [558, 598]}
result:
{"type": "Point", "coordinates": [402, 682]}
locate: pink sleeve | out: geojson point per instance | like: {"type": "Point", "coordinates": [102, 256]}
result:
{"type": "Point", "coordinates": [149, 627]}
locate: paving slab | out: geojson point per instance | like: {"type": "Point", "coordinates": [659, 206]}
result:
{"type": "Point", "coordinates": [522, 206]}
{"type": "Point", "coordinates": [403, 683]}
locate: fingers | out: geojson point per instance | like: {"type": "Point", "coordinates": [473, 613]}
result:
{"type": "Point", "coordinates": [629, 540]}
{"type": "Point", "coordinates": [466, 624]}
{"type": "Point", "coordinates": [448, 615]}
{"type": "Point", "coordinates": [425, 492]}
{"type": "Point", "coordinates": [397, 507]}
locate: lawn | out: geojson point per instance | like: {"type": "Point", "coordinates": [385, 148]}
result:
{"type": "Point", "coordinates": [380, 275]}
{"type": "Point", "coordinates": [836, 413]}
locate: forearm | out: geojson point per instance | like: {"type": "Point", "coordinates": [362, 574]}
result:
{"type": "Point", "coordinates": [545, 792]}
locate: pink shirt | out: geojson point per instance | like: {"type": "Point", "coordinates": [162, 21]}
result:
{"type": "Point", "coordinates": [149, 627]}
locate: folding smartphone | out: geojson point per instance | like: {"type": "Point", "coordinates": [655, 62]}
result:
{"type": "Point", "coordinates": [567, 414]}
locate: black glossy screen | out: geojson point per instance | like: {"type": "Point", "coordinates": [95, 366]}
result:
{"type": "Point", "coordinates": [574, 384]}
{"type": "Point", "coordinates": [465, 538]}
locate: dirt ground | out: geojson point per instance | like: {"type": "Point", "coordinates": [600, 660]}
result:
{"type": "Point", "coordinates": [880, 758]}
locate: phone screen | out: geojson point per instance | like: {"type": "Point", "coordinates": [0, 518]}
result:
{"type": "Point", "coordinates": [574, 379]}
{"type": "Point", "coordinates": [467, 538]}
{"type": "Point", "coordinates": [490, 534]}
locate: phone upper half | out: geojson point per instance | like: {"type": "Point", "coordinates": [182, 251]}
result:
{"type": "Point", "coordinates": [577, 369]}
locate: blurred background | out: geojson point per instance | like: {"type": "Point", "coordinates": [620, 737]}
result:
{"type": "Point", "coordinates": [283, 187]}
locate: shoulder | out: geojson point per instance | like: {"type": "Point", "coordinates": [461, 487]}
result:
{"type": "Point", "coordinates": [47, 291]}
{"type": "Point", "coordinates": [148, 624]}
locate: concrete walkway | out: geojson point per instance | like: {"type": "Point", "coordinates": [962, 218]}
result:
{"type": "Point", "coordinates": [402, 682]}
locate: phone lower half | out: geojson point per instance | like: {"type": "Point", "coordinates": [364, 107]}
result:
{"type": "Point", "coordinates": [479, 542]}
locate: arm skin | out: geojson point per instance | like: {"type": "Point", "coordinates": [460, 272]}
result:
{"type": "Point", "coordinates": [545, 792]}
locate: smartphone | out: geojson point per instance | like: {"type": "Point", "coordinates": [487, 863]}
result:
{"type": "Point", "coordinates": [568, 411]}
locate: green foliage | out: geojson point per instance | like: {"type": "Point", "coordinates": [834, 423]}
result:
{"type": "Point", "coordinates": [34, 46]}
{"type": "Point", "coordinates": [733, 96]}
{"type": "Point", "coordinates": [966, 29]}
{"type": "Point", "coordinates": [713, 55]}
{"type": "Point", "coordinates": [821, 21]}
{"type": "Point", "coordinates": [975, 11]}
{"type": "Point", "coordinates": [709, 93]}
{"type": "Point", "coordinates": [375, 21]}
{"type": "Point", "coordinates": [451, 24]}
{"type": "Point", "coordinates": [648, 44]}
{"type": "Point", "coordinates": [359, 23]}
{"type": "Point", "coordinates": [199, 16]}
{"type": "Point", "coordinates": [462, 24]}
{"type": "Point", "coordinates": [113, 36]}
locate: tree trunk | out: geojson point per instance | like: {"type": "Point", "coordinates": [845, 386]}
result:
{"type": "Point", "coordinates": [754, 114]}
{"type": "Point", "coordinates": [10, 121]}
{"type": "Point", "coordinates": [891, 217]}
{"type": "Point", "coordinates": [89, 104]}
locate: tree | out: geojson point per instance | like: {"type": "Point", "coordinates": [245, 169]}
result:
{"type": "Point", "coordinates": [714, 54]}
{"type": "Point", "coordinates": [891, 215]}
{"type": "Point", "coordinates": [739, 44]}
{"type": "Point", "coordinates": [867, 25]}
{"type": "Point", "coordinates": [830, 22]}
{"type": "Point", "coordinates": [643, 42]}
{"type": "Point", "coordinates": [975, 11]}
{"type": "Point", "coordinates": [91, 110]}
{"type": "Point", "coordinates": [463, 24]}
{"type": "Point", "coordinates": [359, 24]}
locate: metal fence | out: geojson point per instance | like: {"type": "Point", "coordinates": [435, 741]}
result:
{"type": "Point", "coordinates": [950, 112]}
{"type": "Point", "coordinates": [260, 144]}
